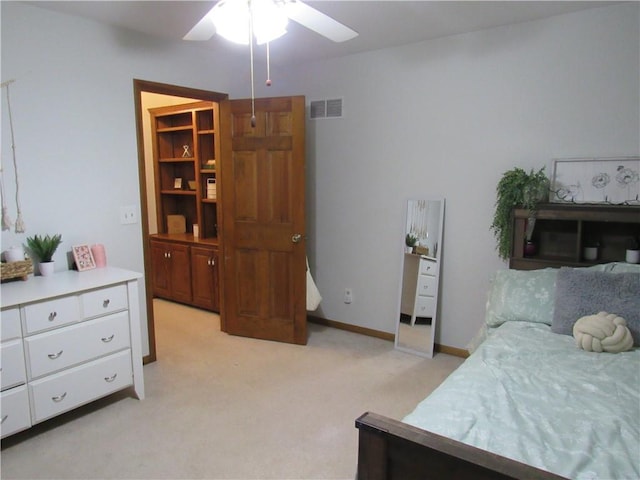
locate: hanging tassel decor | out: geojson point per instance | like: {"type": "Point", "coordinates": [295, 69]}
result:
{"type": "Point", "coordinates": [20, 227]}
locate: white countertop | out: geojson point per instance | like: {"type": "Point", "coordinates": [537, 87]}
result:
{"type": "Point", "coordinates": [61, 283]}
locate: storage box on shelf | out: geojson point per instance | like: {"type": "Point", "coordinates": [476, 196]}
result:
{"type": "Point", "coordinates": [68, 340]}
{"type": "Point", "coordinates": [563, 231]}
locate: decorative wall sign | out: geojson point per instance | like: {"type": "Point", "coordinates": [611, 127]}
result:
{"type": "Point", "coordinates": [83, 257]}
{"type": "Point", "coordinates": [614, 181]}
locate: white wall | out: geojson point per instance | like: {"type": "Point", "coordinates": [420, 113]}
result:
{"type": "Point", "coordinates": [445, 117]}
{"type": "Point", "coordinates": [448, 117]}
{"type": "Point", "coordinates": [74, 121]}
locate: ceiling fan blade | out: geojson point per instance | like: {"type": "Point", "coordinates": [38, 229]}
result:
{"type": "Point", "coordinates": [318, 22]}
{"type": "Point", "coordinates": [203, 30]}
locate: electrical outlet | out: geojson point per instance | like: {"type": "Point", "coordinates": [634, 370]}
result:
{"type": "Point", "coordinates": [348, 295]}
{"type": "Point", "coordinates": [128, 215]}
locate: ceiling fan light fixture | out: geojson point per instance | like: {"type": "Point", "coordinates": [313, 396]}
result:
{"type": "Point", "coordinates": [231, 19]}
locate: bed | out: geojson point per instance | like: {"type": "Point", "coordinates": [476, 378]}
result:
{"type": "Point", "coordinates": [527, 403]}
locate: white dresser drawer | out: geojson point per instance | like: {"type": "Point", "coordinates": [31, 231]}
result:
{"type": "Point", "coordinates": [426, 285]}
{"type": "Point", "coordinates": [12, 364]}
{"type": "Point", "coordinates": [71, 388]}
{"type": "Point", "coordinates": [51, 314]}
{"type": "Point", "coordinates": [103, 301]}
{"type": "Point", "coordinates": [52, 351]}
{"type": "Point", "coordinates": [428, 267]}
{"type": "Point", "coordinates": [14, 411]}
{"type": "Point", "coordinates": [10, 324]}
{"type": "Point", "coordinates": [425, 307]}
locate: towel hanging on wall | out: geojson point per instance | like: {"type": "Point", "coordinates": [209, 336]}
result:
{"type": "Point", "coordinates": [313, 294]}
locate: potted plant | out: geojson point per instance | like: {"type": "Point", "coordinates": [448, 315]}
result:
{"type": "Point", "coordinates": [633, 252]}
{"type": "Point", "coordinates": [410, 241]}
{"type": "Point", "coordinates": [517, 188]}
{"type": "Point", "coordinates": [590, 251]}
{"type": "Point", "coordinates": [44, 248]}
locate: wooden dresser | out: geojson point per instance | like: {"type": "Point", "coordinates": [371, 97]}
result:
{"type": "Point", "coordinates": [67, 340]}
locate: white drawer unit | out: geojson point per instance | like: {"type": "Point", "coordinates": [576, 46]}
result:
{"type": "Point", "coordinates": [62, 348]}
{"type": "Point", "coordinates": [15, 414]}
{"type": "Point", "coordinates": [51, 314]}
{"type": "Point", "coordinates": [12, 371]}
{"type": "Point", "coordinates": [10, 324]}
{"type": "Point", "coordinates": [103, 301]}
{"type": "Point", "coordinates": [426, 285]}
{"type": "Point", "coordinates": [68, 340]}
{"type": "Point", "coordinates": [71, 388]}
{"type": "Point", "coordinates": [419, 287]}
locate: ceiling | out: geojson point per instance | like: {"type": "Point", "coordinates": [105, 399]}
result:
{"type": "Point", "coordinates": [380, 24]}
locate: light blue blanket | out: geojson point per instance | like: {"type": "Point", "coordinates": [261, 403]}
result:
{"type": "Point", "coordinates": [529, 394]}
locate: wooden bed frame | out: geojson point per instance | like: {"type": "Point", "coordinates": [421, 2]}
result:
{"type": "Point", "coordinates": [391, 450]}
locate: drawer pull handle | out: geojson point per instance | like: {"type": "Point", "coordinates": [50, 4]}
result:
{"type": "Point", "coordinates": [111, 378]}
{"type": "Point", "coordinates": [105, 303]}
{"type": "Point", "coordinates": [108, 339]}
{"type": "Point", "coordinates": [52, 316]}
{"type": "Point", "coordinates": [59, 398]}
{"type": "Point", "coordinates": [53, 356]}
{"type": "Point", "coordinates": [4, 418]}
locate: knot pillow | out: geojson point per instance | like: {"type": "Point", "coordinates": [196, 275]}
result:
{"type": "Point", "coordinates": [604, 332]}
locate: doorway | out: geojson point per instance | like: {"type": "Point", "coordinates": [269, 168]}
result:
{"type": "Point", "coordinates": [140, 87]}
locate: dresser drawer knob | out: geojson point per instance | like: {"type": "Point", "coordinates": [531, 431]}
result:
{"type": "Point", "coordinates": [105, 303]}
{"type": "Point", "coordinates": [53, 356]}
{"type": "Point", "coordinates": [52, 316]}
{"type": "Point", "coordinates": [59, 398]}
{"type": "Point", "coordinates": [4, 418]}
{"type": "Point", "coordinates": [108, 339]}
{"type": "Point", "coordinates": [111, 378]}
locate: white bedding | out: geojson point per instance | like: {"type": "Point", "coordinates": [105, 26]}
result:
{"type": "Point", "coordinates": [529, 394]}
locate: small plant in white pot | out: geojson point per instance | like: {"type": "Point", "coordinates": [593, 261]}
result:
{"type": "Point", "coordinates": [43, 248]}
{"type": "Point", "coordinates": [633, 252]}
{"type": "Point", "coordinates": [410, 241]}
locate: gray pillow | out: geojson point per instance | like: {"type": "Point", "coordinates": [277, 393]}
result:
{"type": "Point", "coordinates": [582, 292]}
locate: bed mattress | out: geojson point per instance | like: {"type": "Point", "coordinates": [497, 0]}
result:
{"type": "Point", "coordinates": [531, 395]}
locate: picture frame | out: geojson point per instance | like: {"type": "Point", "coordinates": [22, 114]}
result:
{"type": "Point", "coordinates": [177, 183]}
{"type": "Point", "coordinates": [83, 257]}
{"type": "Point", "coordinates": [609, 181]}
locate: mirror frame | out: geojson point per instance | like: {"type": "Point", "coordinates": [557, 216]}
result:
{"type": "Point", "coordinates": [428, 352]}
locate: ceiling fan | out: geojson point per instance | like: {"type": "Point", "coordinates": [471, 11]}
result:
{"type": "Point", "coordinates": [267, 19]}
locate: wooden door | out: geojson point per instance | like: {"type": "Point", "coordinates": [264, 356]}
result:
{"type": "Point", "coordinates": [160, 270]}
{"type": "Point", "coordinates": [204, 277]}
{"type": "Point", "coordinates": [263, 225]}
{"type": "Point", "coordinates": [180, 267]}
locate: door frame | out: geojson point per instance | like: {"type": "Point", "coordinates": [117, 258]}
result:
{"type": "Point", "coordinates": [140, 86]}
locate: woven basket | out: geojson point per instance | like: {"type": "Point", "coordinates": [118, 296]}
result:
{"type": "Point", "coordinates": [17, 270]}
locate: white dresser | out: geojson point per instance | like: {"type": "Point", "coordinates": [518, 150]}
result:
{"type": "Point", "coordinates": [67, 340]}
{"type": "Point", "coordinates": [419, 286]}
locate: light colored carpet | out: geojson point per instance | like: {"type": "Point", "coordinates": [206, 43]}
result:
{"type": "Point", "coordinates": [225, 407]}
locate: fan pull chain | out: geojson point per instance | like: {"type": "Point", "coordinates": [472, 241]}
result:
{"type": "Point", "coordinates": [253, 93]}
{"type": "Point", "coordinates": [268, 65]}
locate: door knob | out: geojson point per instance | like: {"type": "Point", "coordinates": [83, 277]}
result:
{"type": "Point", "coordinates": [296, 237]}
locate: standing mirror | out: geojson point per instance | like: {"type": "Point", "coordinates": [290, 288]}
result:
{"type": "Point", "coordinates": [421, 260]}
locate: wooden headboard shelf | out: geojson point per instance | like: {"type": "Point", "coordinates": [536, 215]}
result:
{"type": "Point", "coordinates": [563, 231]}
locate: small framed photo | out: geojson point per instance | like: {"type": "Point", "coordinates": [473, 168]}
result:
{"type": "Point", "coordinates": [177, 183]}
{"type": "Point", "coordinates": [83, 257]}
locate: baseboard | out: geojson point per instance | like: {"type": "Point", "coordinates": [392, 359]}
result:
{"type": "Point", "coordinates": [351, 328]}
{"type": "Point", "coordinates": [457, 352]}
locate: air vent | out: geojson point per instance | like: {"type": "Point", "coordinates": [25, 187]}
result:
{"type": "Point", "coordinates": [331, 108]}
{"type": "Point", "coordinates": [318, 109]}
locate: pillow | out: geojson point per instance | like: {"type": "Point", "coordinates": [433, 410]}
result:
{"type": "Point", "coordinates": [581, 292]}
{"type": "Point", "coordinates": [604, 332]}
{"type": "Point", "coordinates": [521, 295]}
